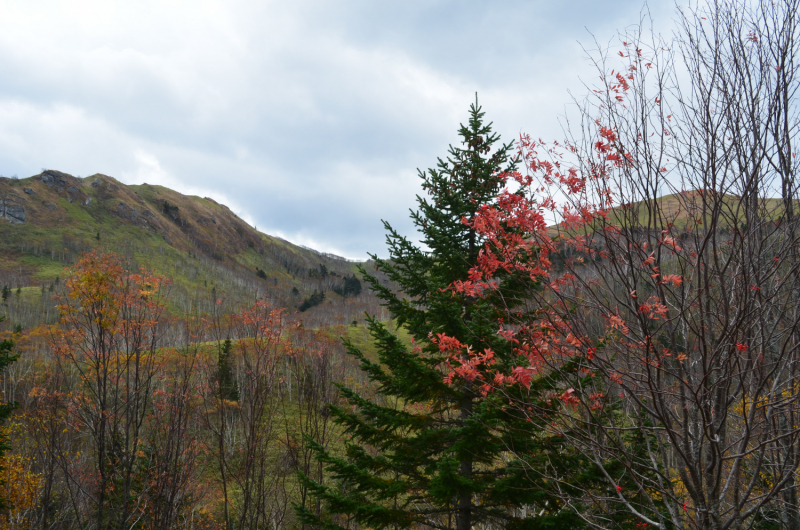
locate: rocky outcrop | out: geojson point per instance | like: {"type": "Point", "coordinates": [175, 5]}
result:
{"type": "Point", "coordinates": [64, 185]}
{"type": "Point", "coordinates": [127, 212]}
{"type": "Point", "coordinates": [12, 211]}
{"type": "Point", "coordinates": [57, 179]}
{"type": "Point", "coordinates": [206, 221]}
{"type": "Point", "coordinates": [132, 215]}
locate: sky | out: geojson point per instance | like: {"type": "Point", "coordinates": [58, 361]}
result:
{"type": "Point", "coordinates": [308, 119]}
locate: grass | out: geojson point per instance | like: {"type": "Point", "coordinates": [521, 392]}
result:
{"type": "Point", "coordinates": [46, 268]}
{"type": "Point", "coordinates": [27, 295]}
{"type": "Point", "coordinates": [204, 249]}
{"type": "Point", "coordinates": [681, 211]}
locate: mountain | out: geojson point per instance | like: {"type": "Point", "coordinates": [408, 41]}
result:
{"type": "Point", "coordinates": [48, 220]}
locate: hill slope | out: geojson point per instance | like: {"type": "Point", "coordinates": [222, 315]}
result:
{"type": "Point", "coordinates": [48, 220]}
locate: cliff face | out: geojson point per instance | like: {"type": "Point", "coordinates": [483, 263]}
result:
{"type": "Point", "coordinates": [12, 211]}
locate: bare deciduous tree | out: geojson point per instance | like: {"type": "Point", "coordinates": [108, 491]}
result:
{"type": "Point", "coordinates": [674, 278]}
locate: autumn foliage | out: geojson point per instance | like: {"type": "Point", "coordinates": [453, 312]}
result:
{"type": "Point", "coordinates": [599, 332]}
{"type": "Point", "coordinates": [123, 421]}
{"type": "Point", "coordinates": [667, 276]}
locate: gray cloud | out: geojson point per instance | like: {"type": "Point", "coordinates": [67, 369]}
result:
{"type": "Point", "coordinates": [307, 118]}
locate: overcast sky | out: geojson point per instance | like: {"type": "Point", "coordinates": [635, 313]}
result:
{"type": "Point", "coordinates": [307, 118]}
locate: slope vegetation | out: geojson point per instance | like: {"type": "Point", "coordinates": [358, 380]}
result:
{"type": "Point", "coordinates": [209, 253]}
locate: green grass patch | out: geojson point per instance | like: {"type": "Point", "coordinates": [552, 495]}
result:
{"type": "Point", "coordinates": [46, 268]}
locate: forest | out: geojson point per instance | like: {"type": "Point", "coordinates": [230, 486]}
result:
{"type": "Point", "coordinates": [601, 331]}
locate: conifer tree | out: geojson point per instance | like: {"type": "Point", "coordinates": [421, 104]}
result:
{"type": "Point", "coordinates": [425, 453]}
{"type": "Point", "coordinates": [227, 384]}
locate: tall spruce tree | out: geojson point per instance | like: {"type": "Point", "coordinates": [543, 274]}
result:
{"type": "Point", "coordinates": [227, 383]}
{"type": "Point", "coordinates": [424, 453]}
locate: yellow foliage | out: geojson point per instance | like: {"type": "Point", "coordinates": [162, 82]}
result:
{"type": "Point", "coordinates": [21, 488]}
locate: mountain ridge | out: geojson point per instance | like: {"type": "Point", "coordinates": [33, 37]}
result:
{"type": "Point", "coordinates": [48, 220]}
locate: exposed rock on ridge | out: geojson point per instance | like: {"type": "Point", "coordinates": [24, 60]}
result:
{"type": "Point", "coordinates": [12, 212]}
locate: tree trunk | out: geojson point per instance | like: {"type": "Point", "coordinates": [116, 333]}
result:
{"type": "Point", "coordinates": [464, 514]}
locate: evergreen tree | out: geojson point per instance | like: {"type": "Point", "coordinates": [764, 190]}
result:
{"type": "Point", "coordinates": [351, 286]}
{"type": "Point", "coordinates": [425, 453]}
{"type": "Point", "coordinates": [316, 298]}
{"type": "Point", "coordinates": [227, 384]}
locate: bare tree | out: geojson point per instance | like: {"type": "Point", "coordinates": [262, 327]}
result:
{"type": "Point", "coordinates": [673, 288]}
{"type": "Point", "coordinates": [173, 443]}
{"type": "Point", "coordinates": [245, 424]}
{"type": "Point", "coordinates": [315, 362]}
{"type": "Point", "coordinates": [108, 344]}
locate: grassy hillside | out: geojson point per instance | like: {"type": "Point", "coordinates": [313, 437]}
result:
{"type": "Point", "coordinates": [681, 211]}
{"type": "Point", "coordinates": [48, 220]}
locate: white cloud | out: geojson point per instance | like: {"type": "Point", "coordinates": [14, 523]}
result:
{"type": "Point", "coordinates": [308, 119]}
{"type": "Point", "coordinates": [148, 170]}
